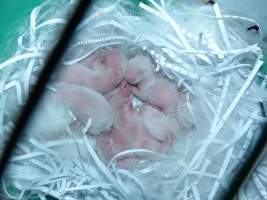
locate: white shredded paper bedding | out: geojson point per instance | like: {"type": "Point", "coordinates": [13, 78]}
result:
{"type": "Point", "coordinates": [207, 52]}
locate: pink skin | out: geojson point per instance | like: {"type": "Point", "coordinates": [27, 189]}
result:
{"type": "Point", "coordinates": [120, 96]}
{"type": "Point", "coordinates": [148, 128]}
{"type": "Point", "coordinates": [139, 68]}
{"type": "Point", "coordinates": [151, 87]}
{"type": "Point", "coordinates": [129, 132]}
{"type": "Point", "coordinates": [153, 127]}
{"type": "Point", "coordinates": [102, 71]}
{"type": "Point", "coordinates": [159, 92]}
{"type": "Point", "coordinates": [162, 127]}
{"type": "Point", "coordinates": [86, 103]}
{"type": "Point", "coordinates": [115, 141]}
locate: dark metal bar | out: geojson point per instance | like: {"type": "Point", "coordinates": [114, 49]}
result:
{"type": "Point", "coordinates": [263, 110]}
{"type": "Point", "coordinates": [39, 88]}
{"type": "Point", "coordinates": [246, 167]}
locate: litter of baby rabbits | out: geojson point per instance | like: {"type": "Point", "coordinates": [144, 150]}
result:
{"type": "Point", "coordinates": [169, 111]}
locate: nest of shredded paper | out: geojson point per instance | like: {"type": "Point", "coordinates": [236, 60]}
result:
{"type": "Point", "coordinates": [211, 55]}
